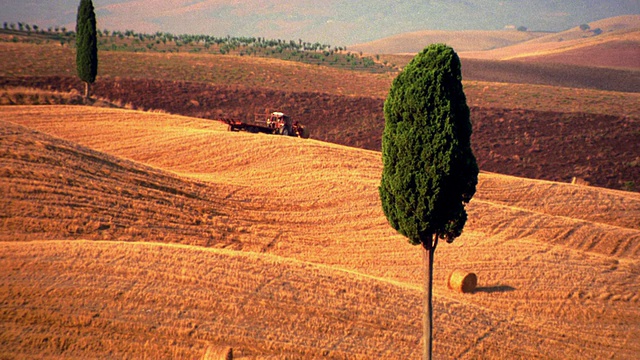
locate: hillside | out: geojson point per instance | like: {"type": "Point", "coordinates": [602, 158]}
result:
{"type": "Point", "coordinates": [539, 132]}
{"type": "Point", "coordinates": [48, 59]}
{"type": "Point", "coordinates": [613, 51]}
{"type": "Point", "coordinates": [590, 67]}
{"type": "Point", "coordinates": [519, 108]}
{"type": "Point", "coordinates": [612, 43]}
{"type": "Point", "coordinates": [469, 40]}
{"type": "Point", "coordinates": [607, 43]}
{"type": "Point", "coordinates": [339, 22]}
{"type": "Point", "coordinates": [201, 236]}
{"type": "Point", "coordinates": [611, 26]}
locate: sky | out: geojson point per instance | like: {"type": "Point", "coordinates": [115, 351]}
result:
{"type": "Point", "coordinates": [334, 22]}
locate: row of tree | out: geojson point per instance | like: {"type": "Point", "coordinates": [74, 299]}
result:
{"type": "Point", "coordinates": [35, 28]}
{"type": "Point", "coordinates": [187, 39]}
{"type": "Point", "coordinates": [292, 50]}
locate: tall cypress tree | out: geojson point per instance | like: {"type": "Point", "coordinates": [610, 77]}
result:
{"type": "Point", "coordinates": [429, 172]}
{"type": "Point", "coordinates": [87, 45]}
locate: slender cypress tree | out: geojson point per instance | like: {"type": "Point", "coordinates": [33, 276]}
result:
{"type": "Point", "coordinates": [429, 172]}
{"type": "Point", "coordinates": [87, 45]}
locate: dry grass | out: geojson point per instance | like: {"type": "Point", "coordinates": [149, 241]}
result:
{"type": "Point", "coordinates": [315, 269]}
{"type": "Point", "coordinates": [20, 95]}
{"type": "Point", "coordinates": [20, 59]}
{"type": "Point", "coordinates": [154, 300]}
{"type": "Point", "coordinates": [32, 96]}
{"type": "Point", "coordinates": [218, 353]}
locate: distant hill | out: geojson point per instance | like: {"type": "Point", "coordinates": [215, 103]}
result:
{"type": "Point", "coordinates": [611, 25]}
{"type": "Point", "coordinates": [337, 22]}
{"type": "Point", "coordinates": [618, 51]}
{"type": "Point", "coordinates": [470, 40]}
{"type": "Point", "coordinates": [613, 42]}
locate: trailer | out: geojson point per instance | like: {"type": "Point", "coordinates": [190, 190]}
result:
{"type": "Point", "coordinates": [276, 123]}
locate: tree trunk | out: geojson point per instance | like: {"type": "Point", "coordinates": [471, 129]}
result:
{"type": "Point", "coordinates": [87, 90]}
{"type": "Point", "coordinates": [427, 313]}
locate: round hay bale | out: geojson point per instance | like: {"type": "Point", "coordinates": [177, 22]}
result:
{"type": "Point", "coordinates": [462, 281]}
{"type": "Point", "coordinates": [218, 353]}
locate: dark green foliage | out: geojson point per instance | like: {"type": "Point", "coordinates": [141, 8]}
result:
{"type": "Point", "coordinates": [86, 42]}
{"type": "Point", "coordinates": [430, 171]}
{"type": "Point", "coordinates": [585, 27]}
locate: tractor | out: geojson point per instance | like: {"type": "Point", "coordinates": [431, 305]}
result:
{"type": "Point", "coordinates": [275, 123]}
{"type": "Point", "coordinates": [283, 125]}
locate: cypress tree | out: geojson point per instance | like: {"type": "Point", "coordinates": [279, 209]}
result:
{"type": "Point", "coordinates": [429, 171]}
{"type": "Point", "coordinates": [87, 45]}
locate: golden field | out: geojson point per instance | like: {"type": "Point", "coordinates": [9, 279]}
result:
{"type": "Point", "coordinates": [128, 234]}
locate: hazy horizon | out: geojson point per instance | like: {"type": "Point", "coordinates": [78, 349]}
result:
{"type": "Point", "coordinates": [337, 22]}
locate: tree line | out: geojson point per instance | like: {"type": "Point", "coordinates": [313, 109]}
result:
{"type": "Point", "coordinates": [36, 29]}
{"type": "Point", "coordinates": [293, 50]}
{"type": "Point", "coordinates": [185, 39]}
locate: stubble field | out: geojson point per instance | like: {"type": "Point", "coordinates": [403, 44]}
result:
{"type": "Point", "coordinates": [535, 120]}
{"type": "Point", "coordinates": [130, 234]}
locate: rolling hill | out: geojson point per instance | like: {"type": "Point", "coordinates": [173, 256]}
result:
{"type": "Point", "coordinates": [519, 107]}
{"type": "Point", "coordinates": [611, 43]}
{"type": "Point", "coordinates": [533, 131]}
{"type": "Point", "coordinates": [469, 40]}
{"type": "Point", "coordinates": [339, 22]}
{"type": "Point", "coordinates": [132, 234]}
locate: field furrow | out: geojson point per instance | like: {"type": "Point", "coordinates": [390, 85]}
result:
{"type": "Point", "coordinates": [311, 267]}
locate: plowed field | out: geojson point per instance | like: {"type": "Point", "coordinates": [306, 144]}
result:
{"type": "Point", "coordinates": [135, 235]}
{"type": "Point", "coordinates": [539, 132]}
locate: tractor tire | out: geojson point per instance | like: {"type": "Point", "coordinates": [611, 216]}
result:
{"type": "Point", "coordinates": [304, 133]}
{"type": "Point", "coordinates": [284, 131]}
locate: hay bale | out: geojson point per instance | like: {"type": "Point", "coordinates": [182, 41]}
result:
{"type": "Point", "coordinates": [462, 281]}
{"type": "Point", "coordinates": [218, 353]}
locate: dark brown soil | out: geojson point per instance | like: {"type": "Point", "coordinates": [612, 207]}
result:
{"type": "Point", "coordinates": [601, 149]}
{"type": "Point", "coordinates": [548, 72]}
{"type": "Point", "coordinates": [575, 69]}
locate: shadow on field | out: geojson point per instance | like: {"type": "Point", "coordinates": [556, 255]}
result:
{"type": "Point", "coordinates": [495, 289]}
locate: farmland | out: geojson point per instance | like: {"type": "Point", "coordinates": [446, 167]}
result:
{"type": "Point", "coordinates": [345, 107]}
{"type": "Point", "coordinates": [286, 256]}
{"type": "Point", "coordinates": [140, 228]}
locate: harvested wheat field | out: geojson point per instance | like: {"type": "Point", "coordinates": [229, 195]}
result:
{"type": "Point", "coordinates": [127, 234]}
